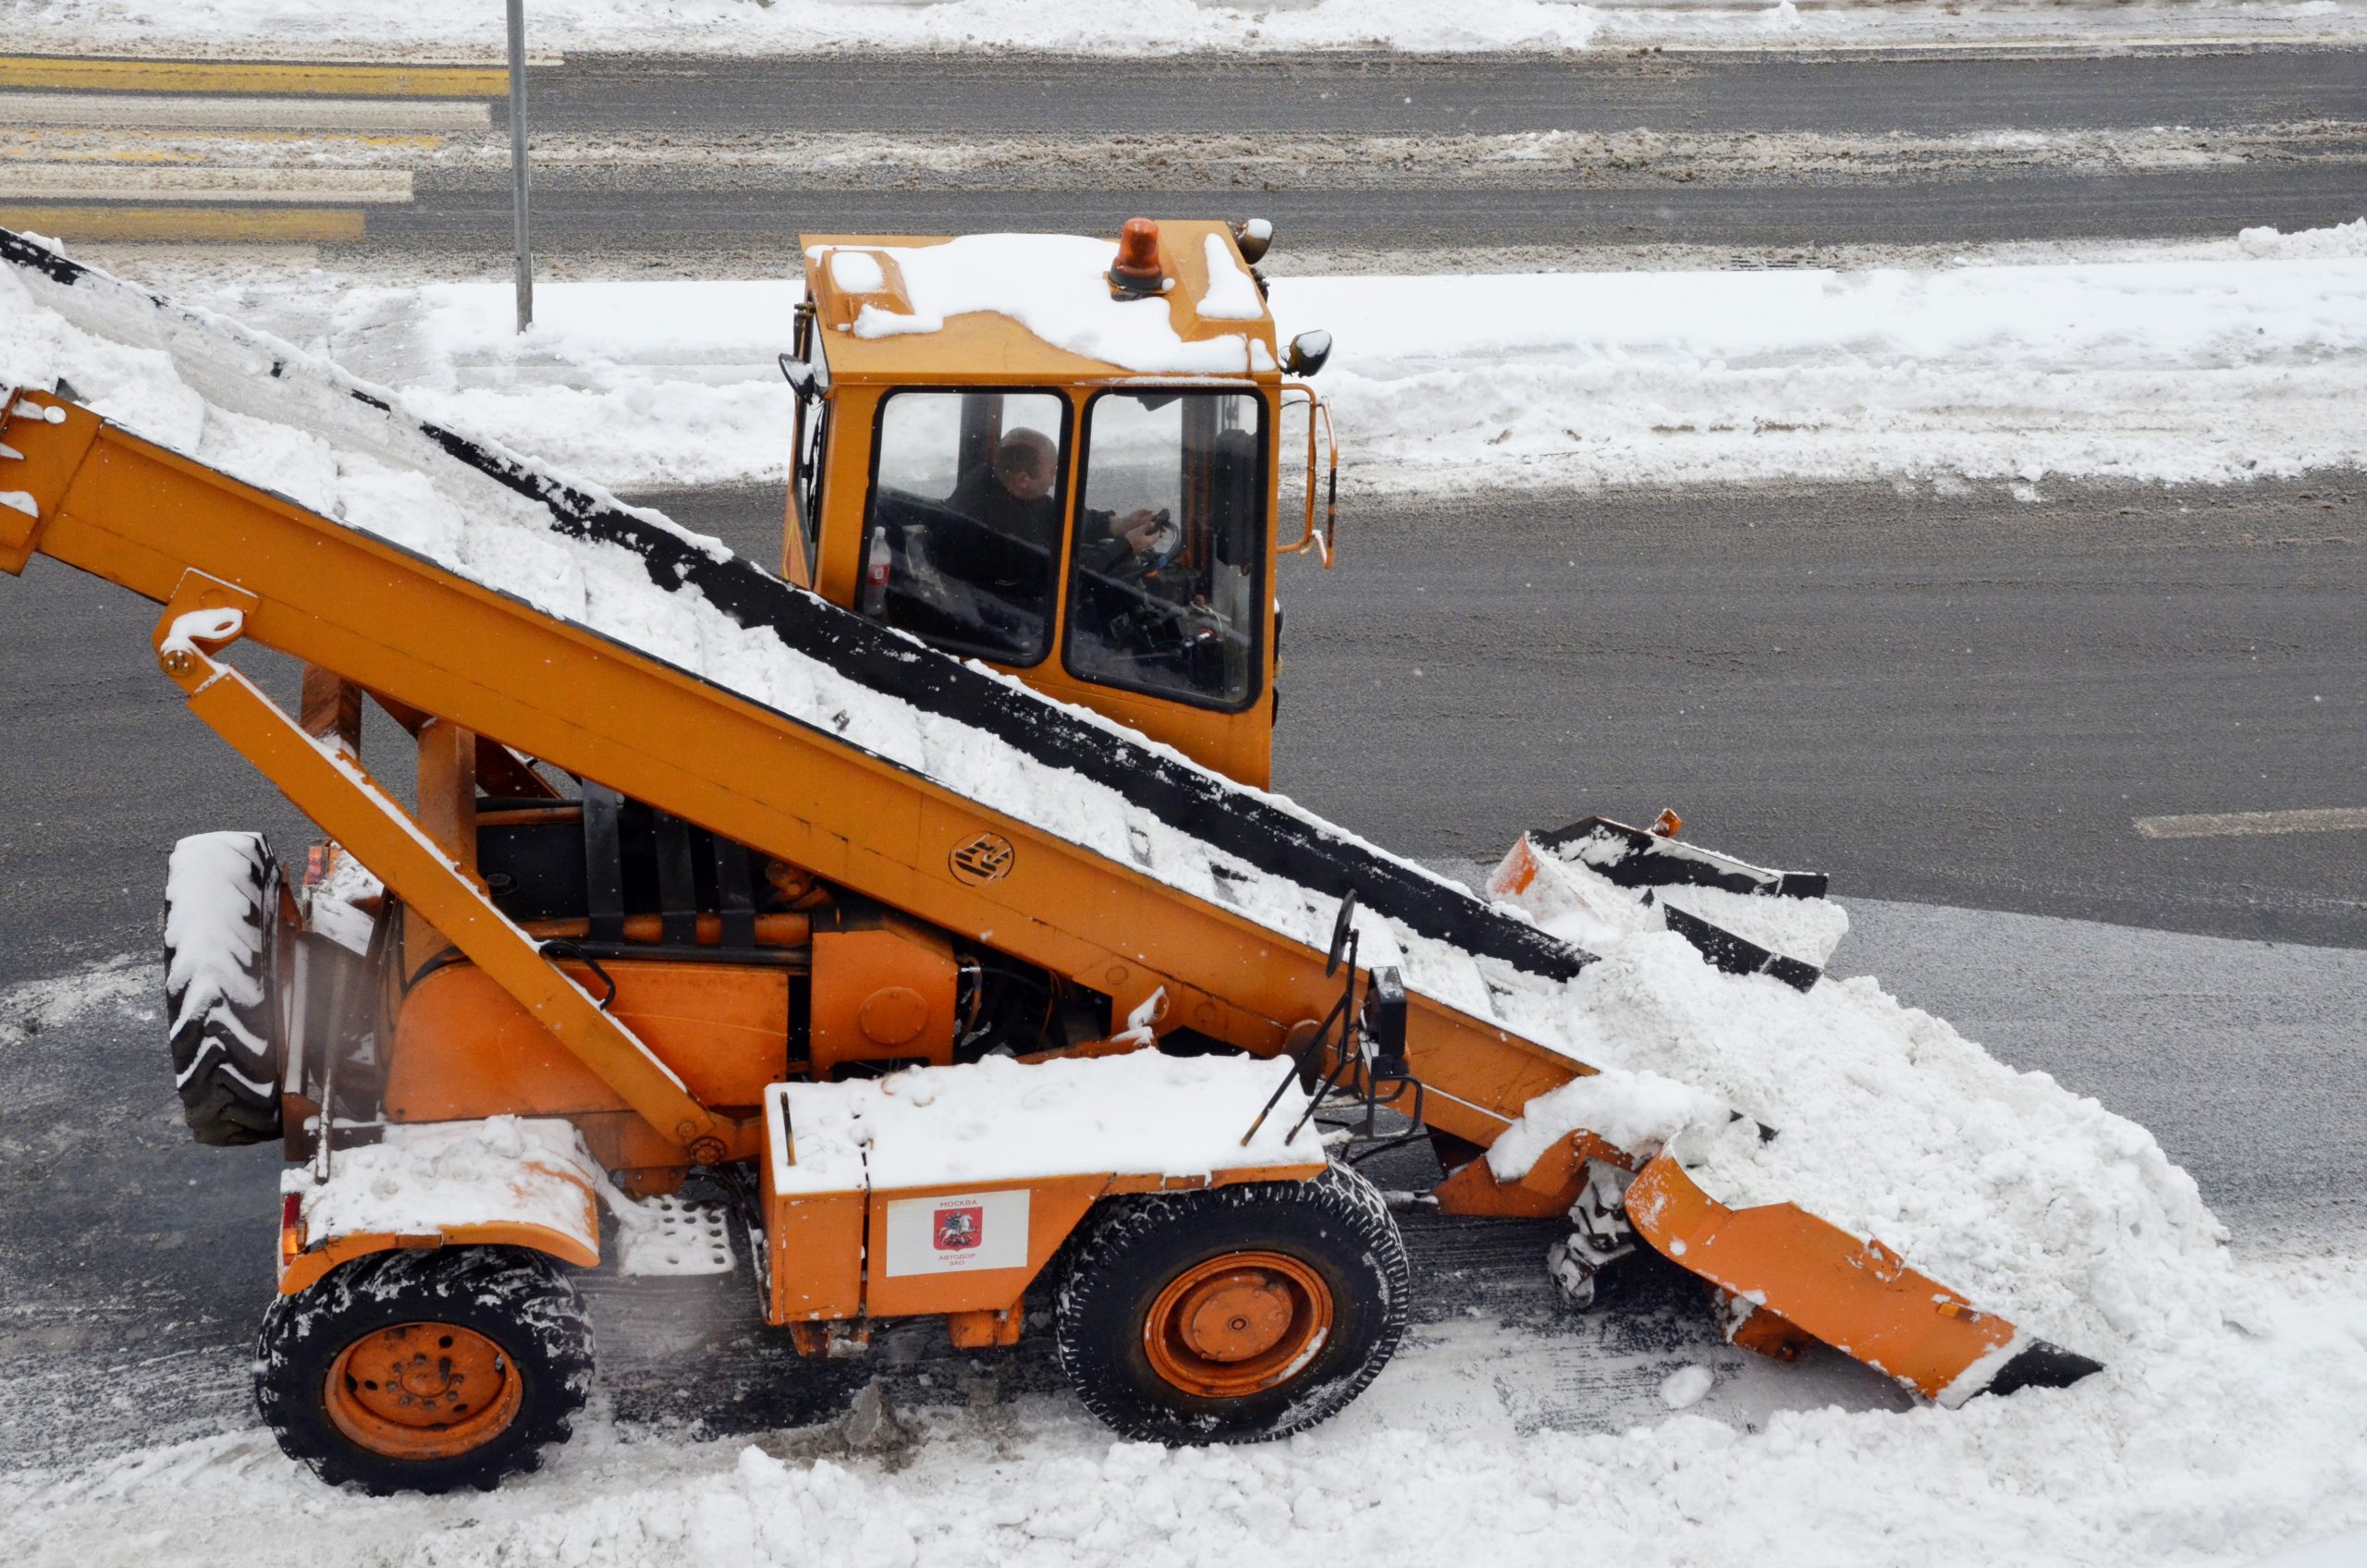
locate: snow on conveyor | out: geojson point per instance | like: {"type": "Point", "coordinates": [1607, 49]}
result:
{"type": "Point", "coordinates": [2038, 1203]}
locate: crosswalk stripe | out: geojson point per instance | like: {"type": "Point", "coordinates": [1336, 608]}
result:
{"type": "Point", "coordinates": [58, 73]}
{"type": "Point", "coordinates": [107, 111]}
{"type": "Point", "coordinates": [199, 225]}
{"type": "Point", "coordinates": [150, 182]}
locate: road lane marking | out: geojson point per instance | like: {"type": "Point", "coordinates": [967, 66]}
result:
{"type": "Point", "coordinates": [2252, 823]}
{"type": "Point", "coordinates": [107, 182]}
{"type": "Point", "coordinates": [193, 147]}
{"type": "Point", "coordinates": [56, 73]}
{"type": "Point", "coordinates": [102, 111]}
{"type": "Point", "coordinates": [196, 225]}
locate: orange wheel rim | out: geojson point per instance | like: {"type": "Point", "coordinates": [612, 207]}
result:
{"type": "Point", "coordinates": [423, 1391]}
{"type": "Point", "coordinates": [1238, 1323]}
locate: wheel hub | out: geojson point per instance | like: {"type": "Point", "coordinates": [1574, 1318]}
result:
{"type": "Point", "coordinates": [1234, 1324]}
{"type": "Point", "coordinates": [423, 1391]}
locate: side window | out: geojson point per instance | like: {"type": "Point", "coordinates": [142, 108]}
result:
{"type": "Point", "coordinates": [1163, 594]}
{"type": "Point", "coordinates": [962, 547]}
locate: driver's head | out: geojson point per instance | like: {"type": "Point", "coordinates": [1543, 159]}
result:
{"type": "Point", "coordinates": [1026, 463]}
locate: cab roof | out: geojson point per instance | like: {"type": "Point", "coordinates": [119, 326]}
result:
{"type": "Point", "coordinates": [1035, 308]}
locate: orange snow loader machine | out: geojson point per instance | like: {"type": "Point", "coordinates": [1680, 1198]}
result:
{"type": "Point", "coordinates": [900, 1031]}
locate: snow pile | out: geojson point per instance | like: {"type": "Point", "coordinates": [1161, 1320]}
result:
{"type": "Point", "coordinates": [1057, 286]}
{"type": "Point", "coordinates": [2032, 1202]}
{"type": "Point", "coordinates": [2197, 369]}
{"type": "Point", "coordinates": [2246, 1440]}
{"type": "Point", "coordinates": [2346, 241]}
{"type": "Point", "coordinates": [2179, 370]}
{"type": "Point", "coordinates": [420, 1179]}
{"type": "Point", "coordinates": [1887, 1122]}
{"type": "Point", "coordinates": [442, 29]}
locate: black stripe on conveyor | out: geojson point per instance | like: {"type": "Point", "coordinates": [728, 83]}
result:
{"type": "Point", "coordinates": [1184, 796]}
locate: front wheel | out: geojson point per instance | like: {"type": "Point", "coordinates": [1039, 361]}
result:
{"type": "Point", "coordinates": [426, 1371]}
{"type": "Point", "coordinates": [1232, 1314]}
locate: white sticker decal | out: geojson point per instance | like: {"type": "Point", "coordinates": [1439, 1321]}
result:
{"type": "Point", "coordinates": [951, 1235]}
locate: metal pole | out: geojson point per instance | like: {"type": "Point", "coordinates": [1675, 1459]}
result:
{"type": "Point", "coordinates": [517, 162]}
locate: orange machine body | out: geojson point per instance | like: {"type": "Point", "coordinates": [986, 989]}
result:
{"type": "Point", "coordinates": [836, 915]}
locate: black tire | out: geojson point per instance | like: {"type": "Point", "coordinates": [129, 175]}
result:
{"type": "Point", "coordinates": [222, 1013]}
{"type": "Point", "coordinates": [1334, 1229]}
{"type": "Point", "coordinates": [516, 1298]}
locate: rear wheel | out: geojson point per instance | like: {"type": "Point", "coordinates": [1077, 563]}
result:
{"type": "Point", "coordinates": [221, 922]}
{"type": "Point", "coordinates": [1234, 1314]}
{"type": "Point", "coordinates": [426, 1371]}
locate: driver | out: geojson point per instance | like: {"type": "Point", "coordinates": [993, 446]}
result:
{"type": "Point", "coordinates": [1018, 504]}
{"type": "Point", "coordinates": [1009, 551]}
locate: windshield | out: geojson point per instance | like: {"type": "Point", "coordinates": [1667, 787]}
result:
{"type": "Point", "coordinates": [961, 548]}
{"type": "Point", "coordinates": [1169, 541]}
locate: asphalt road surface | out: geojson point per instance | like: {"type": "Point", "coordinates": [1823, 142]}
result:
{"type": "Point", "coordinates": [663, 163]}
{"type": "Point", "coordinates": [983, 95]}
{"type": "Point", "coordinates": [1964, 701]}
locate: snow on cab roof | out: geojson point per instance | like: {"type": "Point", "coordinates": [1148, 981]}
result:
{"type": "Point", "coordinates": [1032, 307]}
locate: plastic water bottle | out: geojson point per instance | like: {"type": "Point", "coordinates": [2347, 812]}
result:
{"type": "Point", "coordinates": [875, 575]}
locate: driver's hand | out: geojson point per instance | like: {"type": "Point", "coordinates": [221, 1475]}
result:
{"type": "Point", "coordinates": [1139, 528]}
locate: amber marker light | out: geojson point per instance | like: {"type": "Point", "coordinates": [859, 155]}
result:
{"type": "Point", "coordinates": [1136, 271]}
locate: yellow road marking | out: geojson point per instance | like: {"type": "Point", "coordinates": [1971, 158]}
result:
{"type": "Point", "coordinates": [200, 224]}
{"type": "Point", "coordinates": [103, 155]}
{"type": "Point", "coordinates": [278, 79]}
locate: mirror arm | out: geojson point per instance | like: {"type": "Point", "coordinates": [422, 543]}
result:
{"type": "Point", "coordinates": [1309, 537]}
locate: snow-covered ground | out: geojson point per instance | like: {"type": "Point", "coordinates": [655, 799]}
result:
{"type": "Point", "coordinates": [466, 29]}
{"type": "Point", "coordinates": [2246, 1440]}
{"type": "Point", "coordinates": [2208, 363]}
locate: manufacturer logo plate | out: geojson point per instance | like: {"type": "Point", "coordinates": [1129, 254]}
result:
{"type": "Point", "coordinates": [986, 858]}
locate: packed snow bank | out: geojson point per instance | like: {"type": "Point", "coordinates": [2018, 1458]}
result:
{"type": "Point", "coordinates": [443, 29]}
{"type": "Point", "coordinates": [2246, 1439]}
{"type": "Point", "coordinates": [2034, 1202]}
{"type": "Point", "coordinates": [2251, 364]}
{"type": "Point", "coordinates": [1881, 1112]}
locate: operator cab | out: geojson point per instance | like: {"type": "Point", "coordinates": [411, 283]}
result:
{"type": "Point", "coordinates": [1059, 457]}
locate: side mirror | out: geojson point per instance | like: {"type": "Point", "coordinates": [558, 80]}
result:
{"type": "Point", "coordinates": [1343, 931]}
{"type": "Point", "coordinates": [802, 379]}
{"type": "Point", "coordinates": [1307, 352]}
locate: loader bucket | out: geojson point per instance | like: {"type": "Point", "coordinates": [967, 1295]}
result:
{"type": "Point", "coordinates": [1787, 1277]}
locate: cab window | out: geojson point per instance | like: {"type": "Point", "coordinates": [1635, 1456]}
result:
{"type": "Point", "coordinates": [962, 544]}
{"type": "Point", "coordinates": [1170, 544]}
